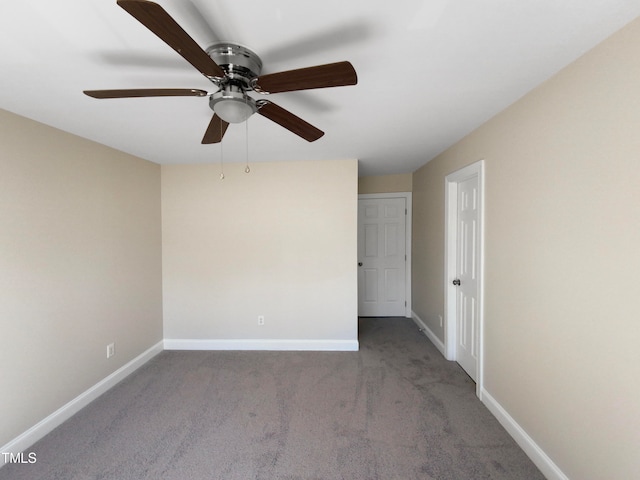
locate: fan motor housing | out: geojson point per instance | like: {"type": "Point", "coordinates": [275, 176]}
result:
{"type": "Point", "coordinates": [239, 63]}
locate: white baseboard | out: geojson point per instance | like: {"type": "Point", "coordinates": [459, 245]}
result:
{"type": "Point", "coordinates": [429, 333]}
{"type": "Point", "coordinates": [39, 430]}
{"type": "Point", "coordinates": [262, 344]}
{"type": "Point", "coordinates": [531, 448]}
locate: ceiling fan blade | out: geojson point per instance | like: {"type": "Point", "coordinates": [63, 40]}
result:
{"type": "Point", "coordinates": [215, 130]}
{"type": "Point", "coordinates": [146, 92]}
{"type": "Point", "coordinates": [156, 19]}
{"type": "Point", "coordinates": [321, 76]}
{"type": "Point", "coordinates": [289, 121]}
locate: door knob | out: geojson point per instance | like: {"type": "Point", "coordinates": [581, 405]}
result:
{"type": "Point", "coordinates": [359, 264]}
{"type": "Point", "coordinates": [456, 282]}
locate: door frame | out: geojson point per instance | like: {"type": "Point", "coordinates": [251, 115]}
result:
{"type": "Point", "coordinates": [408, 221]}
{"type": "Point", "coordinates": [451, 227]}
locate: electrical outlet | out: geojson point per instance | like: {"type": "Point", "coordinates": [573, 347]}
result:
{"type": "Point", "coordinates": [260, 319]}
{"type": "Point", "coordinates": [111, 350]}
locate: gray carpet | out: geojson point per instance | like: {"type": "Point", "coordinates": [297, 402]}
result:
{"type": "Point", "coordinates": [394, 410]}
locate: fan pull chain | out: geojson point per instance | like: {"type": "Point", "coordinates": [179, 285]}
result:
{"type": "Point", "coordinates": [246, 135]}
{"type": "Point", "coordinates": [221, 156]}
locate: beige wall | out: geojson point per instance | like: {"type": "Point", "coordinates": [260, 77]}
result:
{"type": "Point", "coordinates": [562, 256]}
{"type": "Point", "coordinates": [385, 183]}
{"type": "Point", "coordinates": [79, 267]}
{"type": "Point", "coordinates": [278, 242]}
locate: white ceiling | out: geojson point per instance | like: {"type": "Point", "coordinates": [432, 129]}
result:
{"type": "Point", "coordinates": [429, 71]}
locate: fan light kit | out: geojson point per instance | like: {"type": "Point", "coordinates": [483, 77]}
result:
{"type": "Point", "coordinates": [232, 105]}
{"type": "Point", "coordinates": [234, 70]}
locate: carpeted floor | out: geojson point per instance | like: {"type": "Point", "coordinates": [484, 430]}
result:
{"type": "Point", "coordinates": [394, 410]}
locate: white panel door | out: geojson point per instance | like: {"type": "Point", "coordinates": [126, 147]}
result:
{"type": "Point", "coordinates": [382, 257]}
{"type": "Point", "coordinates": [467, 253]}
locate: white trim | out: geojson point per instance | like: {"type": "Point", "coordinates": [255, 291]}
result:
{"type": "Point", "coordinates": [408, 196]}
{"type": "Point", "coordinates": [548, 468]}
{"type": "Point", "coordinates": [262, 344]}
{"type": "Point", "coordinates": [428, 332]}
{"type": "Point", "coordinates": [451, 208]}
{"type": "Point", "coordinates": [40, 429]}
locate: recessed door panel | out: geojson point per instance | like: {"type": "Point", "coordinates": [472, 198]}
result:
{"type": "Point", "coordinates": [391, 285]}
{"type": "Point", "coordinates": [371, 211]}
{"type": "Point", "coordinates": [391, 247]}
{"type": "Point", "coordinates": [371, 248]}
{"type": "Point", "coordinates": [391, 211]}
{"type": "Point", "coordinates": [370, 285]}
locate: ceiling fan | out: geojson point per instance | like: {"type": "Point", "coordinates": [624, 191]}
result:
{"type": "Point", "coordinates": [234, 70]}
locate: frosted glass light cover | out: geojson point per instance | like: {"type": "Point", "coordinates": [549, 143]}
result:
{"type": "Point", "coordinates": [233, 110]}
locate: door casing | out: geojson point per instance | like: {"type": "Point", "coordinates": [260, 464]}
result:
{"type": "Point", "coordinates": [451, 228]}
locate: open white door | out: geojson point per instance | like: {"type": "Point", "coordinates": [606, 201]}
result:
{"type": "Point", "coordinates": [463, 336]}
